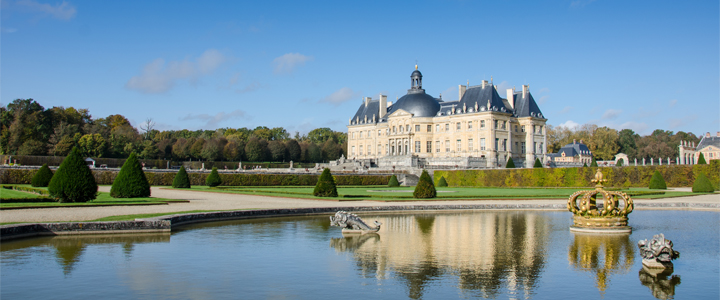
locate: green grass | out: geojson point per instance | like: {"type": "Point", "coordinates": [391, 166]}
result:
{"type": "Point", "coordinates": [144, 216]}
{"type": "Point", "coordinates": [7, 193]}
{"type": "Point", "coordinates": [103, 199]}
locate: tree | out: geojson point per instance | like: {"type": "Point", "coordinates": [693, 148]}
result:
{"type": "Point", "coordinates": [538, 164]}
{"type": "Point", "coordinates": [425, 187]}
{"type": "Point", "coordinates": [149, 150]}
{"type": "Point", "coordinates": [627, 141]}
{"type": "Point", "coordinates": [619, 163]}
{"type": "Point", "coordinates": [442, 182]}
{"type": "Point", "coordinates": [657, 182]}
{"type": "Point", "coordinates": [32, 147]}
{"type": "Point", "coordinates": [393, 182]}
{"type": "Point", "coordinates": [73, 181]}
{"type": "Point", "coordinates": [147, 128]}
{"type": "Point", "coordinates": [277, 150]}
{"type": "Point", "coordinates": [130, 181]}
{"type": "Point", "coordinates": [213, 179]}
{"type": "Point", "coordinates": [702, 184]}
{"type": "Point", "coordinates": [325, 186]}
{"type": "Point", "coordinates": [42, 177]}
{"type": "Point", "coordinates": [510, 163]}
{"type": "Point", "coordinates": [255, 149]}
{"type": "Point", "coordinates": [604, 143]}
{"type": "Point", "coordinates": [320, 135]}
{"type": "Point", "coordinates": [701, 159]}
{"type": "Point", "coordinates": [313, 153]}
{"type": "Point", "coordinates": [213, 149]}
{"type": "Point", "coordinates": [180, 149]}
{"type": "Point", "coordinates": [181, 180]}
{"type": "Point", "coordinates": [593, 163]}
{"type": "Point", "coordinates": [293, 150]}
{"type": "Point", "coordinates": [233, 150]}
{"type": "Point", "coordinates": [92, 145]}
{"type": "Point", "coordinates": [196, 148]}
{"type": "Point", "coordinates": [331, 150]}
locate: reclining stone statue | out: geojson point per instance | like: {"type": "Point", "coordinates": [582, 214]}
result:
{"type": "Point", "coordinates": [352, 223]}
{"type": "Point", "coordinates": [658, 253]}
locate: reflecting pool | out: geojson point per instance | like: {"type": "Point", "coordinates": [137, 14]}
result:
{"type": "Point", "coordinates": [461, 254]}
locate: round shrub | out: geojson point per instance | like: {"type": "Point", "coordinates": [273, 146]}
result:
{"type": "Point", "coordinates": [701, 159]}
{"type": "Point", "coordinates": [393, 182]}
{"type": "Point", "coordinates": [657, 182]}
{"type": "Point", "coordinates": [425, 187]}
{"type": "Point", "coordinates": [73, 181]}
{"type": "Point", "coordinates": [538, 164]}
{"type": "Point", "coordinates": [181, 180]}
{"type": "Point", "coordinates": [42, 177]}
{"type": "Point", "coordinates": [325, 186]}
{"type": "Point", "coordinates": [702, 185]}
{"type": "Point", "coordinates": [510, 163]}
{"type": "Point", "coordinates": [442, 182]}
{"type": "Point", "coordinates": [130, 181]}
{"type": "Point", "coordinates": [213, 179]}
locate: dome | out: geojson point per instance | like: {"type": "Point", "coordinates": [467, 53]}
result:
{"type": "Point", "coordinates": [416, 73]}
{"type": "Point", "coordinates": [418, 104]}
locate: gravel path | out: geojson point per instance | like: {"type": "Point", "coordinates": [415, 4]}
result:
{"type": "Point", "coordinates": [223, 201]}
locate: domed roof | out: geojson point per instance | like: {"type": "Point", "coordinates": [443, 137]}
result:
{"type": "Point", "coordinates": [418, 104]}
{"type": "Point", "coordinates": [416, 73]}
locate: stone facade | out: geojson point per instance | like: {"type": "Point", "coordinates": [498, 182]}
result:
{"type": "Point", "coordinates": [709, 146]}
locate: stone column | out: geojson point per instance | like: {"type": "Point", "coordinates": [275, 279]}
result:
{"type": "Point", "coordinates": [529, 148]}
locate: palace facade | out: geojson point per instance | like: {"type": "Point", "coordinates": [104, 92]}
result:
{"type": "Point", "coordinates": [480, 130]}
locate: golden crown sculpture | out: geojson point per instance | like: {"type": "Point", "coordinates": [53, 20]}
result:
{"type": "Point", "coordinates": [612, 218]}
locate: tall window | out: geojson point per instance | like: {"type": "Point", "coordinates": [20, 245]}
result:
{"type": "Point", "coordinates": [516, 147]}
{"type": "Point", "coordinates": [457, 126]}
{"type": "Point", "coordinates": [482, 123]}
{"type": "Point", "coordinates": [522, 128]}
{"type": "Point", "coordinates": [515, 128]}
{"type": "Point", "coordinates": [417, 128]}
{"type": "Point", "coordinates": [447, 126]}
{"type": "Point", "coordinates": [379, 132]}
{"type": "Point", "coordinates": [379, 149]}
{"type": "Point", "coordinates": [429, 146]}
{"type": "Point", "coordinates": [394, 129]}
{"type": "Point", "coordinates": [535, 147]}
{"type": "Point", "coordinates": [407, 127]}
{"type": "Point", "coordinates": [542, 149]}
{"type": "Point", "coordinates": [504, 145]}
{"type": "Point", "coordinates": [497, 141]}
{"type": "Point", "coordinates": [401, 129]}
{"type": "Point", "coordinates": [470, 125]}
{"type": "Point", "coordinates": [447, 145]}
{"type": "Point", "coordinates": [523, 147]}
{"type": "Point", "coordinates": [352, 151]}
{"type": "Point", "coordinates": [459, 146]}
{"type": "Point", "coordinates": [361, 134]}
{"type": "Point", "coordinates": [504, 123]}
{"type": "Point", "coordinates": [437, 127]}
{"type": "Point", "coordinates": [437, 146]}
{"type": "Point", "coordinates": [353, 136]}
{"type": "Point", "coordinates": [387, 149]}
{"type": "Point", "coordinates": [417, 146]}
{"type": "Point", "coordinates": [496, 124]}
{"type": "Point", "coordinates": [429, 128]}
{"type": "Point", "coordinates": [482, 144]}
{"type": "Point", "coordinates": [470, 145]}
{"type": "Point", "coordinates": [361, 150]}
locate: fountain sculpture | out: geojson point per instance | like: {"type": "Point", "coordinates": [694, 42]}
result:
{"type": "Point", "coordinates": [609, 218]}
{"type": "Point", "coordinates": [351, 223]}
{"type": "Point", "coordinates": [658, 253]}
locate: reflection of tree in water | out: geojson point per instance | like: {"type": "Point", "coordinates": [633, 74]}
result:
{"type": "Point", "coordinates": [602, 254]}
{"type": "Point", "coordinates": [658, 282]}
{"type": "Point", "coordinates": [488, 251]}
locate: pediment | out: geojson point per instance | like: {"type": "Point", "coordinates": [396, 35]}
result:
{"type": "Point", "coordinates": [400, 113]}
{"type": "Point", "coordinates": [708, 149]}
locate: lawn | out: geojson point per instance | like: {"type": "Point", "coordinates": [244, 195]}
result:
{"type": "Point", "coordinates": [103, 199]}
{"type": "Point", "coordinates": [8, 193]}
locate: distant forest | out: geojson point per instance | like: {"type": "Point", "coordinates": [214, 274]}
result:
{"type": "Point", "coordinates": [30, 129]}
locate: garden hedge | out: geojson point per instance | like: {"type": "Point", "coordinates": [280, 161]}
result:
{"type": "Point", "coordinates": [425, 187]}
{"type": "Point", "coordinates": [325, 186]}
{"type": "Point", "coordinates": [702, 185]}
{"type": "Point", "coordinates": [510, 163]}
{"type": "Point", "coordinates": [393, 182]}
{"type": "Point", "coordinates": [181, 179]}
{"type": "Point", "coordinates": [657, 182]}
{"type": "Point", "coordinates": [42, 177]}
{"type": "Point", "coordinates": [630, 176]}
{"type": "Point", "coordinates": [442, 182]}
{"type": "Point", "coordinates": [213, 179]}
{"type": "Point", "coordinates": [73, 181]}
{"type": "Point", "coordinates": [130, 181]}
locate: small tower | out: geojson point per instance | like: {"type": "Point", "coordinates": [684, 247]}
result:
{"type": "Point", "coordinates": [416, 81]}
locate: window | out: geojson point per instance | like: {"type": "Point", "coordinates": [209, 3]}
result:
{"type": "Point", "coordinates": [504, 123]}
{"type": "Point", "coordinates": [522, 128]}
{"type": "Point", "coordinates": [457, 126]}
{"type": "Point", "coordinates": [361, 134]}
{"type": "Point", "coordinates": [470, 125]}
{"type": "Point", "coordinates": [437, 127]}
{"type": "Point", "coordinates": [352, 151]}
{"type": "Point", "coordinates": [542, 149]}
{"type": "Point", "coordinates": [379, 132]}
{"type": "Point", "coordinates": [429, 128]}
{"type": "Point", "coordinates": [482, 144]}
{"type": "Point", "coordinates": [535, 147]}
{"type": "Point", "coordinates": [482, 123]}
{"type": "Point", "coordinates": [401, 129]}
{"type": "Point", "coordinates": [353, 135]}
{"type": "Point", "coordinates": [387, 149]}
{"type": "Point", "coordinates": [534, 130]}
{"type": "Point", "coordinates": [361, 150]}
{"type": "Point", "coordinates": [417, 147]}
{"type": "Point", "coordinates": [437, 146]}
{"type": "Point", "coordinates": [417, 128]}
{"type": "Point", "coordinates": [379, 149]}
{"type": "Point", "coordinates": [516, 128]}
{"type": "Point", "coordinates": [470, 145]}
{"type": "Point", "coordinates": [540, 129]}
{"type": "Point", "coordinates": [447, 145]}
{"type": "Point", "coordinates": [394, 129]}
{"type": "Point", "coordinates": [504, 145]}
{"type": "Point", "coordinates": [523, 147]}
{"type": "Point", "coordinates": [429, 146]}
{"type": "Point", "coordinates": [459, 145]}
{"type": "Point", "coordinates": [497, 141]}
{"type": "Point", "coordinates": [496, 124]}
{"type": "Point", "coordinates": [516, 147]}
{"type": "Point", "coordinates": [407, 127]}
{"type": "Point", "coordinates": [447, 126]}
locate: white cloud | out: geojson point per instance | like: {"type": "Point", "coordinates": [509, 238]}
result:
{"type": "Point", "coordinates": [611, 114]}
{"type": "Point", "coordinates": [158, 77]}
{"type": "Point", "coordinates": [570, 124]}
{"type": "Point", "coordinates": [287, 63]}
{"type": "Point", "coordinates": [566, 109]}
{"type": "Point", "coordinates": [638, 127]}
{"type": "Point", "coordinates": [62, 11]}
{"type": "Point", "coordinates": [340, 96]}
{"type": "Point", "coordinates": [212, 121]}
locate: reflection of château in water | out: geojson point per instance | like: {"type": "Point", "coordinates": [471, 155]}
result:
{"type": "Point", "coordinates": [488, 251]}
{"type": "Point", "coordinates": [602, 254]}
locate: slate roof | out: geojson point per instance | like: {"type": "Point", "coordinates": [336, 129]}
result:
{"type": "Point", "coordinates": [417, 103]}
{"type": "Point", "coordinates": [526, 107]}
{"type": "Point", "coordinates": [481, 96]}
{"type": "Point", "coordinates": [373, 108]}
{"type": "Point", "coordinates": [708, 141]}
{"type": "Point", "coordinates": [572, 150]}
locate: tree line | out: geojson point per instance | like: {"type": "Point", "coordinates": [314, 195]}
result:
{"type": "Point", "coordinates": [27, 128]}
{"type": "Point", "coordinates": [605, 142]}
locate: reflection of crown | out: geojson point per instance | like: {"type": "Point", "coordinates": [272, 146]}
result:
{"type": "Point", "coordinates": [587, 214]}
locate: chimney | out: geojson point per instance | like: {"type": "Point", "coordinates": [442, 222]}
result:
{"type": "Point", "coordinates": [525, 90]}
{"type": "Point", "coordinates": [718, 133]}
{"type": "Point", "coordinates": [484, 83]}
{"type": "Point", "coordinates": [367, 101]}
{"type": "Point", "coordinates": [383, 106]}
{"type": "Point", "coordinates": [461, 90]}
{"type": "Point", "coordinates": [511, 98]}
{"type": "Point", "coordinates": [707, 135]}
{"type": "Point", "coordinates": [574, 142]}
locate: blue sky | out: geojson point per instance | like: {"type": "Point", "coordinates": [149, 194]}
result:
{"type": "Point", "coordinates": [642, 65]}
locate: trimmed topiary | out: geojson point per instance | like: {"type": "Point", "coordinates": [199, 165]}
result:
{"type": "Point", "coordinates": [393, 182]}
{"type": "Point", "coordinates": [657, 182]}
{"type": "Point", "coordinates": [442, 182]}
{"type": "Point", "coordinates": [425, 187]}
{"type": "Point", "coordinates": [538, 164]}
{"type": "Point", "coordinates": [619, 163]}
{"type": "Point", "coordinates": [510, 163]}
{"type": "Point", "coordinates": [593, 163]}
{"type": "Point", "coordinates": [701, 159]}
{"type": "Point", "coordinates": [42, 177]}
{"type": "Point", "coordinates": [584, 165]}
{"type": "Point", "coordinates": [702, 184]}
{"type": "Point", "coordinates": [130, 181]}
{"type": "Point", "coordinates": [213, 179]}
{"type": "Point", "coordinates": [73, 181]}
{"type": "Point", "coordinates": [181, 180]}
{"type": "Point", "coordinates": [325, 186]}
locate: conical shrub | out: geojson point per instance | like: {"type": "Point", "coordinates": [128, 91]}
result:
{"type": "Point", "coordinates": [130, 181]}
{"type": "Point", "coordinates": [510, 163]}
{"type": "Point", "coordinates": [42, 177]}
{"type": "Point", "coordinates": [181, 180]}
{"type": "Point", "coordinates": [702, 184]}
{"type": "Point", "coordinates": [657, 182]}
{"type": "Point", "coordinates": [213, 179]}
{"type": "Point", "coordinates": [73, 181]}
{"type": "Point", "coordinates": [701, 159]}
{"type": "Point", "coordinates": [538, 163]}
{"type": "Point", "coordinates": [325, 186]}
{"type": "Point", "coordinates": [593, 163]}
{"type": "Point", "coordinates": [584, 165]}
{"type": "Point", "coordinates": [425, 187]}
{"type": "Point", "coordinates": [393, 182]}
{"type": "Point", "coordinates": [442, 182]}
